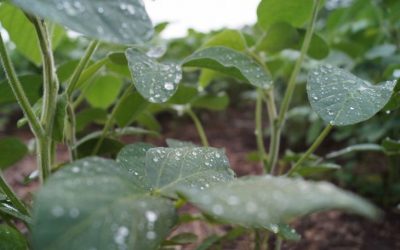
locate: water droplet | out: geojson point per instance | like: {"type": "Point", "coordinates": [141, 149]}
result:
{"type": "Point", "coordinates": [151, 216]}
{"type": "Point", "coordinates": [168, 86]}
{"type": "Point", "coordinates": [57, 211]}
{"type": "Point", "coordinates": [120, 235]}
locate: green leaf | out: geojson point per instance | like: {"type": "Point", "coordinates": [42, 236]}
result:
{"type": "Point", "coordinates": [230, 62]}
{"type": "Point", "coordinates": [355, 148]}
{"type": "Point", "coordinates": [228, 38]}
{"type": "Point", "coordinates": [130, 109]}
{"type": "Point", "coordinates": [166, 169]}
{"type": "Point", "coordinates": [294, 12]}
{"type": "Point", "coordinates": [9, 210]}
{"type": "Point", "coordinates": [93, 197]}
{"type": "Point", "coordinates": [11, 239]}
{"type": "Point", "coordinates": [391, 147]}
{"type": "Point", "coordinates": [23, 34]}
{"type": "Point", "coordinates": [212, 102]}
{"type": "Point", "coordinates": [32, 84]}
{"type": "Point", "coordinates": [172, 143]}
{"type": "Point", "coordinates": [341, 98]}
{"type": "Point", "coordinates": [12, 150]}
{"type": "Point", "coordinates": [311, 169]}
{"type": "Point", "coordinates": [122, 22]}
{"type": "Point", "coordinates": [182, 239]}
{"type": "Point", "coordinates": [260, 201]}
{"type": "Point", "coordinates": [155, 81]}
{"type": "Point", "coordinates": [60, 118]}
{"type": "Point", "coordinates": [103, 91]}
{"type": "Point", "coordinates": [88, 116]}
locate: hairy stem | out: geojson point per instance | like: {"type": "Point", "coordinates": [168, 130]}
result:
{"type": "Point", "coordinates": [199, 127]}
{"type": "Point", "coordinates": [312, 149]}
{"type": "Point", "coordinates": [18, 204]}
{"type": "Point", "coordinates": [292, 81]}
{"type": "Point", "coordinates": [18, 91]}
{"type": "Point", "coordinates": [259, 128]}
{"type": "Point", "coordinates": [110, 120]}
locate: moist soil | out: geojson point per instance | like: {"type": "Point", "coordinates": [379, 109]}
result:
{"type": "Point", "coordinates": [233, 130]}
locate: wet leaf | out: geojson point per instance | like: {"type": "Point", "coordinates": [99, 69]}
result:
{"type": "Point", "coordinates": [122, 21]}
{"type": "Point", "coordinates": [11, 239]}
{"type": "Point", "coordinates": [166, 169]}
{"type": "Point", "coordinates": [155, 81]}
{"type": "Point", "coordinates": [260, 201]}
{"type": "Point", "coordinates": [230, 62]}
{"type": "Point", "coordinates": [341, 98]}
{"type": "Point", "coordinates": [93, 196]}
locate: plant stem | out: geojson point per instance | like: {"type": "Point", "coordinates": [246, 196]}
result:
{"type": "Point", "coordinates": [12, 196]}
{"type": "Point", "coordinates": [311, 150]}
{"type": "Point", "coordinates": [18, 91]}
{"type": "Point", "coordinates": [259, 128]}
{"type": "Point", "coordinates": [45, 144]}
{"type": "Point", "coordinates": [292, 81]}
{"type": "Point", "coordinates": [278, 244]}
{"type": "Point", "coordinates": [110, 121]}
{"type": "Point", "coordinates": [83, 63]}
{"type": "Point", "coordinates": [199, 127]}
{"type": "Point", "coordinates": [274, 140]}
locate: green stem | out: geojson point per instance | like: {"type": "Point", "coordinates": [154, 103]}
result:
{"type": "Point", "coordinates": [199, 127]}
{"type": "Point", "coordinates": [312, 149]}
{"type": "Point", "coordinates": [12, 196]}
{"type": "Point", "coordinates": [274, 140]}
{"type": "Point", "coordinates": [18, 91]}
{"type": "Point", "coordinates": [83, 63]}
{"type": "Point", "coordinates": [110, 121]}
{"type": "Point", "coordinates": [293, 78]}
{"type": "Point", "coordinates": [46, 146]}
{"type": "Point", "coordinates": [278, 244]}
{"type": "Point", "coordinates": [259, 128]}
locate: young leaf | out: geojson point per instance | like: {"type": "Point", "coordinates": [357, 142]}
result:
{"type": "Point", "coordinates": [11, 151]}
{"type": "Point", "coordinates": [121, 22]}
{"type": "Point", "coordinates": [341, 98]}
{"type": "Point", "coordinates": [260, 201]}
{"type": "Point", "coordinates": [166, 169]}
{"type": "Point", "coordinates": [294, 12]}
{"type": "Point", "coordinates": [11, 239]}
{"type": "Point", "coordinates": [95, 196]}
{"type": "Point", "coordinates": [103, 91]}
{"type": "Point", "coordinates": [155, 81]}
{"type": "Point", "coordinates": [230, 62]}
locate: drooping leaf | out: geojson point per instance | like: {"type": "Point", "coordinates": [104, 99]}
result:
{"type": "Point", "coordinates": [166, 169]}
{"type": "Point", "coordinates": [260, 201]}
{"type": "Point", "coordinates": [155, 81]}
{"type": "Point", "coordinates": [11, 239]}
{"type": "Point", "coordinates": [11, 151]}
{"type": "Point", "coordinates": [341, 98]}
{"type": "Point", "coordinates": [97, 196]}
{"type": "Point", "coordinates": [294, 12]}
{"type": "Point", "coordinates": [230, 62]}
{"type": "Point", "coordinates": [122, 21]}
{"type": "Point", "coordinates": [103, 91]}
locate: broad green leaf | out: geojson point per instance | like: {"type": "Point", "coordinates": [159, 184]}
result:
{"type": "Point", "coordinates": [260, 201]}
{"type": "Point", "coordinates": [109, 147]}
{"type": "Point", "coordinates": [294, 12]}
{"type": "Point", "coordinates": [212, 102]}
{"type": "Point", "coordinates": [184, 95]}
{"type": "Point", "coordinates": [130, 109]}
{"type": "Point", "coordinates": [103, 91]}
{"type": "Point", "coordinates": [355, 148]}
{"type": "Point", "coordinates": [341, 98]}
{"type": "Point", "coordinates": [228, 38]}
{"type": "Point", "coordinates": [88, 116]}
{"type": "Point", "coordinates": [166, 169]}
{"type": "Point", "coordinates": [230, 62]}
{"type": "Point", "coordinates": [122, 21]}
{"type": "Point", "coordinates": [23, 34]}
{"type": "Point", "coordinates": [11, 239]}
{"type": "Point", "coordinates": [93, 197]}
{"type": "Point", "coordinates": [12, 150]}
{"type": "Point", "coordinates": [32, 84]}
{"type": "Point", "coordinates": [155, 81]}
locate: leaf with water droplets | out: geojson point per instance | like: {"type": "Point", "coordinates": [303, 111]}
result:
{"type": "Point", "coordinates": [155, 81]}
{"type": "Point", "coordinates": [11, 239]}
{"type": "Point", "coordinates": [230, 62]}
{"type": "Point", "coordinates": [341, 98]}
{"type": "Point", "coordinates": [166, 169]}
{"type": "Point", "coordinates": [118, 21]}
{"type": "Point", "coordinates": [93, 197]}
{"type": "Point", "coordinates": [264, 200]}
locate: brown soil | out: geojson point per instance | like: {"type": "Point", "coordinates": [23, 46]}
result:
{"type": "Point", "coordinates": [234, 131]}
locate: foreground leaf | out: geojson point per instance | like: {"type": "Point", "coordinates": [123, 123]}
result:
{"type": "Point", "coordinates": [261, 201]}
{"type": "Point", "coordinates": [341, 98]}
{"type": "Point", "coordinates": [154, 81]}
{"type": "Point", "coordinates": [11, 239]}
{"type": "Point", "coordinates": [122, 21]}
{"type": "Point", "coordinates": [230, 62]}
{"type": "Point", "coordinates": [166, 169]}
{"type": "Point", "coordinates": [96, 204]}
